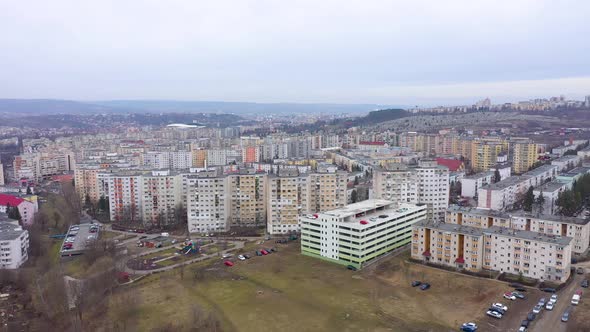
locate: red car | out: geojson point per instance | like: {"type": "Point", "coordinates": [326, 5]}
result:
{"type": "Point", "coordinates": [264, 252]}
{"type": "Point", "coordinates": [228, 263]}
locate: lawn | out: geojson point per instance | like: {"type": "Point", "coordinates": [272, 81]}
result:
{"type": "Point", "coordinates": [286, 291]}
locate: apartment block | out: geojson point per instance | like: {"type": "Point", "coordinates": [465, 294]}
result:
{"type": "Point", "coordinates": [326, 191]}
{"type": "Point", "coordinates": [425, 183]}
{"type": "Point", "coordinates": [161, 197]}
{"type": "Point", "coordinates": [358, 233]}
{"type": "Point", "coordinates": [125, 197]}
{"type": "Point", "coordinates": [208, 206]}
{"type": "Point", "coordinates": [474, 249]}
{"type": "Point", "coordinates": [287, 196]}
{"type": "Point", "coordinates": [524, 155]}
{"type": "Point", "coordinates": [14, 244]}
{"type": "Point", "coordinates": [247, 193]}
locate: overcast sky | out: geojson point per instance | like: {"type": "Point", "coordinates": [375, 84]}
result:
{"type": "Point", "coordinates": [390, 52]}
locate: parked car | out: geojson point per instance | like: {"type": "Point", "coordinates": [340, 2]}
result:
{"type": "Point", "coordinates": [549, 306]}
{"type": "Point", "coordinates": [500, 306]}
{"type": "Point", "coordinates": [509, 296]}
{"type": "Point", "coordinates": [468, 327]}
{"type": "Point", "coordinates": [241, 257]}
{"type": "Point", "coordinates": [553, 298]}
{"type": "Point", "coordinates": [246, 256]}
{"type": "Point", "coordinates": [268, 250]}
{"type": "Point", "coordinates": [494, 314]}
{"type": "Point", "coordinates": [566, 316]}
{"type": "Point", "coordinates": [520, 289]}
{"type": "Point", "coordinates": [228, 263]}
{"type": "Point", "coordinates": [537, 309]}
{"type": "Point", "coordinates": [531, 316]}
{"type": "Point", "coordinates": [580, 270]}
{"type": "Point", "coordinates": [226, 255]}
{"type": "Point", "coordinates": [518, 295]}
{"type": "Point", "coordinates": [585, 283]}
{"type": "Point", "coordinates": [542, 301]}
{"type": "Point", "coordinates": [425, 286]}
{"type": "Point", "coordinates": [273, 249]}
{"type": "Point", "coordinates": [264, 252]}
{"type": "Point", "coordinates": [548, 290]}
{"type": "Point", "coordinates": [351, 267]}
{"type": "Point", "coordinates": [258, 253]}
{"type": "Point", "coordinates": [522, 329]}
{"type": "Point", "coordinates": [525, 323]}
{"type": "Point", "coordinates": [416, 283]}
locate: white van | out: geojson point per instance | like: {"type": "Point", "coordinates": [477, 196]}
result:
{"type": "Point", "coordinates": [575, 299]}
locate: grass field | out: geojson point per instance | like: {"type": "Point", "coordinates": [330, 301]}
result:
{"type": "Point", "coordinates": [286, 291]}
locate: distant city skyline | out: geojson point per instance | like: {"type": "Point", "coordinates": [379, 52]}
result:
{"type": "Point", "coordinates": [380, 52]}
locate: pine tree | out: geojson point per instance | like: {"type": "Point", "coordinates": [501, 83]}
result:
{"type": "Point", "coordinates": [540, 203]}
{"type": "Point", "coordinates": [528, 201]}
{"type": "Point", "coordinates": [497, 176]}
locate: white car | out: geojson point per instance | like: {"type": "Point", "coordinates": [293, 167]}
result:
{"type": "Point", "coordinates": [537, 309]}
{"type": "Point", "coordinates": [226, 255]}
{"type": "Point", "coordinates": [553, 298]}
{"type": "Point", "coordinates": [509, 296]}
{"type": "Point", "coordinates": [469, 325]}
{"type": "Point", "coordinates": [242, 258]}
{"type": "Point", "coordinates": [549, 306]}
{"type": "Point", "coordinates": [522, 329]}
{"type": "Point", "coordinates": [494, 314]}
{"type": "Point", "coordinates": [500, 306]}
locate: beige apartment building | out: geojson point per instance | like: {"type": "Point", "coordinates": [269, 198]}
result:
{"type": "Point", "coordinates": [247, 194]}
{"type": "Point", "coordinates": [287, 196]}
{"type": "Point", "coordinates": [327, 191]}
{"type": "Point", "coordinates": [474, 249]}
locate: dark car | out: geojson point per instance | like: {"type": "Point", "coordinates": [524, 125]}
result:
{"type": "Point", "coordinates": [548, 290]}
{"type": "Point", "coordinates": [258, 253]}
{"type": "Point", "coordinates": [416, 283]}
{"type": "Point", "coordinates": [515, 285]}
{"type": "Point", "coordinates": [585, 283]}
{"type": "Point", "coordinates": [273, 249]}
{"type": "Point", "coordinates": [531, 316]}
{"type": "Point", "coordinates": [524, 323]}
{"type": "Point", "coordinates": [518, 295]}
{"type": "Point", "coordinates": [580, 270]}
{"type": "Point", "coordinates": [351, 267]}
{"type": "Point", "coordinates": [520, 289]}
{"type": "Point", "coordinates": [425, 286]}
{"type": "Point", "coordinates": [246, 256]}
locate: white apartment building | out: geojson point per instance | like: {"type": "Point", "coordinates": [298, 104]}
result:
{"type": "Point", "coordinates": [426, 183]}
{"type": "Point", "coordinates": [502, 195]}
{"type": "Point", "coordinates": [471, 184]}
{"type": "Point", "coordinates": [125, 197]}
{"type": "Point", "coordinates": [287, 198]}
{"type": "Point", "coordinates": [14, 244]}
{"type": "Point", "coordinates": [550, 192]}
{"type": "Point", "coordinates": [566, 162]}
{"type": "Point", "coordinates": [358, 233]}
{"type": "Point", "coordinates": [208, 205]}
{"type": "Point", "coordinates": [168, 159]}
{"type": "Point", "coordinates": [160, 197]}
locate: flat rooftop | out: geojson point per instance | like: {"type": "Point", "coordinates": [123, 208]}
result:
{"type": "Point", "coordinates": [567, 158]}
{"type": "Point", "coordinates": [358, 208]}
{"type": "Point", "coordinates": [576, 171]}
{"type": "Point", "coordinates": [479, 175]}
{"type": "Point", "coordinates": [507, 182]}
{"type": "Point", "coordinates": [477, 211]}
{"type": "Point", "coordinates": [564, 219]}
{"type": "Point", "coordinates": [550, 187]}
{"type": "Point", "coordinates": [540, 170]}
{"type": "Point", "coordinates": [528, 235]}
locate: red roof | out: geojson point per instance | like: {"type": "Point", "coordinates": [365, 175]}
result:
{"type": "Point", "coordinates": [460, 260]}
{"type": "Point", "coordinates": [452, 164]}
{"type": "Point", "coordinates": [371, 143]}
{"type": "Point", "coordinates": [8, 199]}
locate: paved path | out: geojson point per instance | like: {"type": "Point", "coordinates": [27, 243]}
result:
{"type": "Point", "coordinates": [237, 245]}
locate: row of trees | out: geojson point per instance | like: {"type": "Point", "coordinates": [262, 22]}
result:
{"type": "Point", "coordinates": [570, 202]}
{"type": "Point", "coordinates": [531, 202]}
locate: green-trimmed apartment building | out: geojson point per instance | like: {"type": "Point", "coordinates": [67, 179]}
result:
{"type": "Point", "coordinates": [358, 233]}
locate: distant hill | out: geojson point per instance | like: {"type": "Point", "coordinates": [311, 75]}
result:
{"type": "Point", "coordinates": [238, 107]}
{"type": "Point", "coordinates": [50, 106]}
{"type": "Point", "coordinates": [379, 116]}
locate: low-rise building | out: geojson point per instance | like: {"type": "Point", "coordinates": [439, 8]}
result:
{"type": "Point", "coordinates": [550, 192]}
{"type": "Point", "coordinates": [567, 162]}
{"type": "Point", "coordinates": [359, 233]}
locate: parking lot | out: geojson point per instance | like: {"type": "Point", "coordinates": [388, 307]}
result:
{"type": "Point", "coordinates": [546, 320]}
{"type": "Point", "coordinates": [78, 238]}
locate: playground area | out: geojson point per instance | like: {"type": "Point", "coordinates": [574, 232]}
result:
{"type": "Point", "coordinates": [181, 252]}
